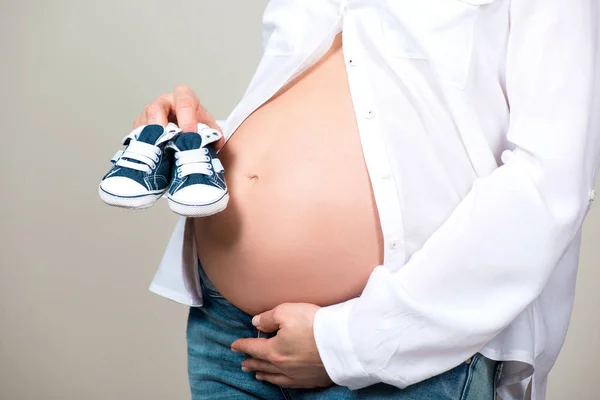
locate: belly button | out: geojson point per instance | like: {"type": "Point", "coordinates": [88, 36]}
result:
{"type": "Point", "coordinates": [252, 177]}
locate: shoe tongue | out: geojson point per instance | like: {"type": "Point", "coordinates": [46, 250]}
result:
{"type": "Point", "coordinates": [188, 141]}
{"type": "Point", "coordinates": [150, 134]}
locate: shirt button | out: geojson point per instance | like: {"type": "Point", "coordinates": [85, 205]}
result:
{"type": "Point", "coordinates": [351, 62]}
{"type": "Point", "coordinates": [393, 244]}
{"type": "Point", "coordinates": [592, 195]}
{"type": "Point", "coordinates": [369, 114]}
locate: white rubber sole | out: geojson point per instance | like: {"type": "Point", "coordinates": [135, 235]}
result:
{"type": "Point", "coordinates": [134, 203]}
{"type": "Point", "coordinates": [199, 210]}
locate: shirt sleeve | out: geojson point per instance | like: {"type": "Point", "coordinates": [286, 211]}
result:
{"type": "Point", "coordinates": [493, 256]}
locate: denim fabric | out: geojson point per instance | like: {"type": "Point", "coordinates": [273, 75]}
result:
{"type": "Point", "coordinates": [160, 177]}
{"type": "Point", "coordinates": [193, 141]}
{"type": "Point", "coordinates": [215, 371]}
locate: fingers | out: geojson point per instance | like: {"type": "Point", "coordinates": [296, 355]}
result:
{"type": "Point", "coordinates": [181, 107]}
{"type": "Point", "coordinates": [139, 121]}
{"type": "Point", "coordinates": [186, 108]}
{"type": "Point", "coordinates": [269, 321]}
{"type": "Point", "coordinates": [206, 118]}
{"type": "Point", "coordinates": [254, 364]}
{"type": "Point", "coordinates": [277, 379]}
{"type": "Point", "coordinates": [255, 347]}
{"type": "Point", "coordinates": [158, 111]}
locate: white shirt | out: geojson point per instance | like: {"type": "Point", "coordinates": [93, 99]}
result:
{"type": "Point", "coordinates": [477, 126]}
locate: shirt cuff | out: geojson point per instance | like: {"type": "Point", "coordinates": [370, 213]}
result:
{"type": "Point", "coordinates": [332, 337]}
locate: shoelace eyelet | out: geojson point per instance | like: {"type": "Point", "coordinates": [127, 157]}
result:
{"type": "Point", "coordinates": [205, 150]}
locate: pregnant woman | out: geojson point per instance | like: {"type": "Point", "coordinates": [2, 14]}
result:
{"type": "Point", "coordinates": [407, 186]}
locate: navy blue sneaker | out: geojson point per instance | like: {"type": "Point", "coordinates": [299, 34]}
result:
{"type": "Point", "coordinates": [142, 172]}
{"type": "Point", "coordinates": [198, 186]}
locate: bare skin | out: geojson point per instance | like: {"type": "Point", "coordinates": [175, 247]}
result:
{"type": "Point", "coordinates": [301, 224]}
{"type": "Point", "coordinates": [301, 229]}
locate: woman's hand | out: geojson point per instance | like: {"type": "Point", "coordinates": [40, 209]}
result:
{"type": "Point", "coordinates": [181, 107]}
{"type": "Point", "coordinates": [290, 358]}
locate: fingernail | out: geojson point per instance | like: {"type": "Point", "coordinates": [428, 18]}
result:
{"type": "Point", "coordinates": [234, 350]}
{"type": "Point", "coordinates": [245, 369]}
{"type": "Point", "coordinates": [259, 377]}
{"type": "Point", "coordinates": [256, 320]}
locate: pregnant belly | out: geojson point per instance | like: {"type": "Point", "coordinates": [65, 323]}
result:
{"type": "Point", "coordinates": [301, 224]}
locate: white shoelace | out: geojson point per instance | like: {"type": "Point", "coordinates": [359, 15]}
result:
{"type": "Point", "coordinates": [198, 161]}
{"type": "Point", "coordinates": [194, 161]}
{"type": "Point", "coordinates": [145, 153]}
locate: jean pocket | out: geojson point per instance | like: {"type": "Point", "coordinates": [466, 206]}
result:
{"type": "Point", "coordinates": [210, 290]}
{"type": "Point", "coordinates": [207, 286]}
{"type": "Point", "coordinates": [481, 378]}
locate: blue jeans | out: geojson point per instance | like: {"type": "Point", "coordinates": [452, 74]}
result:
{"type": "Point", "coordinates": [215, 371]}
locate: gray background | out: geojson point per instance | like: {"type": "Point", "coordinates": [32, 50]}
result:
{"type": "Point", "coordinates": [76, 319]}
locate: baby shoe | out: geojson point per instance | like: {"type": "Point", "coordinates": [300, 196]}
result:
{"type": "Point", "coordinates": [197, 186]}
{"type": "Point", "coordinates": [141, 173]}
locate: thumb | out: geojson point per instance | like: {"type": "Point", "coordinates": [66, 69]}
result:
{"type": "Point", "coordinates": [206, 118]}
{"type": "Point", "coordinates": [266, 321]}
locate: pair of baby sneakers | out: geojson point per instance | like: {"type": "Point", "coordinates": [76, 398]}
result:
{"type": "Point", "coordinates": [159, 160]}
